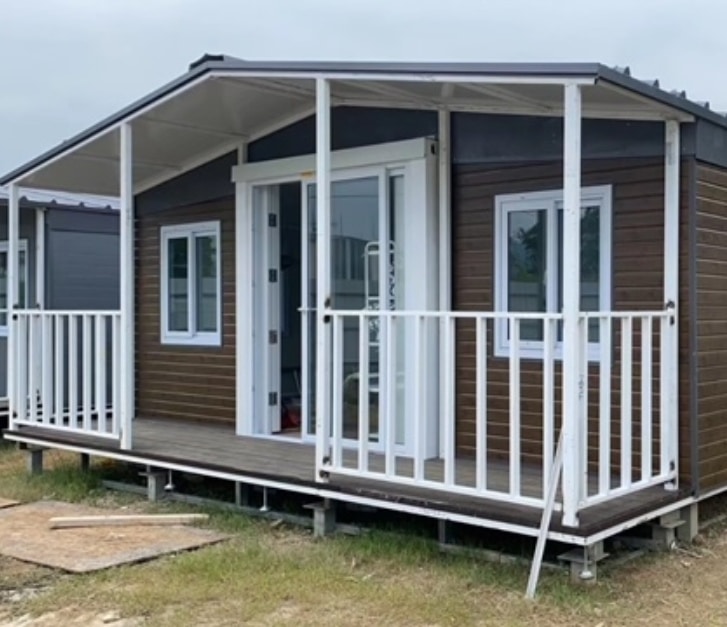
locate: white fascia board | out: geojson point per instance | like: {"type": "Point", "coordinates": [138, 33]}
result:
{"type": "Point", "coordinates": [379, 154]}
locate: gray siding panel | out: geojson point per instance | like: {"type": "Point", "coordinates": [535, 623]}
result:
{"type": "Point", "coordinates": [210, 181]}
{"type": "Point", "coordinates": [476, 139]}
{"type": "Point", "coordinates": [82, 269]}
{"type": "Point", "coordinates": [27, 232]}
{"type": "Point", "coordinates": [82, 262]}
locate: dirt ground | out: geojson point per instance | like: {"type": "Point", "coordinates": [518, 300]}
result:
{"type": "Point", "coordinates": [684, 587]}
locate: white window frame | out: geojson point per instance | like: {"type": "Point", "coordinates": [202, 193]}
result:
{"type": "Point", "coordinates": [192, 336]}
{"type": "Point", "coordinates": [22, 248]}
{"type": "Point", "coordinates": [552, 202]}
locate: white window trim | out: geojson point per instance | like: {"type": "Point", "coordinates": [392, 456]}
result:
{"type": "Point", "coordinates": [22, 247]}
{"type": "Point", "coordinates": [504, 204]}
{"type": "Point", "coordinates": [191, 337]}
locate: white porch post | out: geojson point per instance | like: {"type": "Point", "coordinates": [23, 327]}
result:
{"type": "Point", "coordinates": [12, 298]}
{"type": "Point", "coordinates": [244, 295]}
{"type": "Point", "coordinates": [323, 220]}
{"type": "Point", "coordinates": [126, 243]}
{"type": "Point", "coordinates": [670, 335]}
{"type": "Point", "coordinates": [444, 167]}
{"type": "Point", "coordinates": [573, 377]}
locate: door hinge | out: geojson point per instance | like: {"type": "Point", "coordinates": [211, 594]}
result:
{"type": "Point", "coordinates": [273, 337]}
{"type": "Point", "coordinates": [272, 219]}
{"type": "Point", "coordinates": [272, 399]}
{"type": "Point", "coordinates": [273, 275]}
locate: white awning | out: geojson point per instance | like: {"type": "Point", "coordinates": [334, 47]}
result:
{"type": "Point", "coordinates": [219, 111]}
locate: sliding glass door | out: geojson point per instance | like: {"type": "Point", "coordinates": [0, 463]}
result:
{"type": "Point", "coordinates": [366, 208]}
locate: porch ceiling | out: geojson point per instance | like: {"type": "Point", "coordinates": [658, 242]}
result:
{"type": "Point", "coordinates": [215, 113]}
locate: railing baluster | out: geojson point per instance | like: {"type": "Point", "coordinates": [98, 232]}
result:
{"type": "Point", "coordinates": [481, 402]}
{"type": "Point", "coordinates": [391, 394]}
{"type": "Point", "coordinates": [100, 373]}
{"type": "Point", "coordinates": [419, 361]}
{"type": "Point", "coordinates": [664, 357]}
{"type": "Point", "coordinates": [548, 404]}
{"type": "Point", "coordinates": [515, 431]}
{"type": "Point", "coordinates": [337, 372]}
{"type": "Point", "coordinates": [115, 375]}
{"type": "Point", "coordinates": [58, 408]}
{"type": "Point", "coordinates": [32, 369]}
{"type": "Point", "coordinates": [364, 393]}
{"type": "Point", "coordinates": [73, 371]}
{"type": "Point", "coordinates": [604, 432]}
{"type": "Point", "coordinates": [87, 372]}
{"type": "Point", "coordinates": [46, 381]}
{"type": "Point", "coordinates": [646, 415]}
{"type": "Point", "coordinates": [626, 400]}
{"type": "Point", "coordinates": [21, 363]}
{"type": "Point", "coordinates": [449, 416]}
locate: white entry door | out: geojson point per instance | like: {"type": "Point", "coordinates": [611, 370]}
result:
{"type": "Point", "coordinates": [383, 254]}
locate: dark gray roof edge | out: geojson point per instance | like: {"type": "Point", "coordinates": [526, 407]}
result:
{"type": "Point", "coordinates": [35, 204]}
{"type": "Point", "coordinates": [216, 63]}
{"type": "Point", "coordinates": [659, 95]}
{"type": "Point", "coordinates": [464, 68]}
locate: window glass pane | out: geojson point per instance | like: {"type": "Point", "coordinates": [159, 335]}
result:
{"type": "Point", "coordinates": [526, 276]}
{"type": "Point", "coordinates": [396, 217]}
{"type": "Point", "coordinates": [590, 264]}
{"type": "Point", "coordinates": [22, 288]}
{"type": "Point", "coordinates": [178, 284]}
{"type": "Point", "coordinates": [206, 283]}
{"type": "Point", "coordinates": [354, 280]}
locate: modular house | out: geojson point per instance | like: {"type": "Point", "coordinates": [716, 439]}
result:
{"type": "Point", "coordinates": [463, 291]}
{"type": "Point", "coordinates": [68, 259]}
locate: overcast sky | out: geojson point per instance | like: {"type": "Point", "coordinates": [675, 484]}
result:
{"type": "Point", "coordinates": [69, 63]}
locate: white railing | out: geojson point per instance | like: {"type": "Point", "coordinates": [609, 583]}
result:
{"type": "Point", "coordinates": [67, 375]}
{"type": "Point", "coordinates": [468, 402]}
{"type": "Point", "coordinates": [632, 442]}
{"type": "Point", "coordinates": [394, 373]}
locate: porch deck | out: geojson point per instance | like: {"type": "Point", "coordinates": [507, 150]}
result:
{"type": "Point", "coordinates": [213, 448]}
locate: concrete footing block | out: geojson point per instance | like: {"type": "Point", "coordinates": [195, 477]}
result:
{"type": "Point", "coordinates": [689, 516]}
{"type": "Point", "coordinates": [155, 482]}
{"type": "Point", "coordinates": [34, 460]}
{"type": "Point", "coordinates": [324, 518]}
{"type": "Point", "coordinates": [583, 563]}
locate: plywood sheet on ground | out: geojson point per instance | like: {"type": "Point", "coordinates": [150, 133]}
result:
{"type": "Point", "coordinates": [25, 534]}
{"type": "Point", "coordinates": [7, 503]}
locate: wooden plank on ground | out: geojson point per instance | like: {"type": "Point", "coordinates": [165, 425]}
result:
{"type": "Point", "coordinates": [68, 522]}
{"type": "Point", "coordinates": [8, 503]}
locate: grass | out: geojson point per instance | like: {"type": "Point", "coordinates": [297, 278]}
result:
{"type": "Point", "coordinates": [270, 575]}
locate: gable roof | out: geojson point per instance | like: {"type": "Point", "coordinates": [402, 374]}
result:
{"type": "Point", "coordinates": [217, 65]}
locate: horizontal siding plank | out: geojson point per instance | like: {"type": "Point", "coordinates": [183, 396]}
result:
{"type": "Point", "coordinates": [195, 383]}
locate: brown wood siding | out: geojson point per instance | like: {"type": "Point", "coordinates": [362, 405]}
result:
{"type": "Point", "coordinates": [637, 284]}
{"type": "Point", "coordinates": [183, 382]}
{"type": "Point", "coordinates": [711, 247]}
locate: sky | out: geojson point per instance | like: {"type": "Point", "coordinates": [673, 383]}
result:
{"type": "Point", "coordinates": [70, 63]}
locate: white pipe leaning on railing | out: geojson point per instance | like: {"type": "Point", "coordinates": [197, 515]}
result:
{"type": "Point", "coordinates": [67, 371]}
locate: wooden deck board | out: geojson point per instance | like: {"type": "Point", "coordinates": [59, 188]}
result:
{"type": "Point", "coordinates": [215, 447]}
